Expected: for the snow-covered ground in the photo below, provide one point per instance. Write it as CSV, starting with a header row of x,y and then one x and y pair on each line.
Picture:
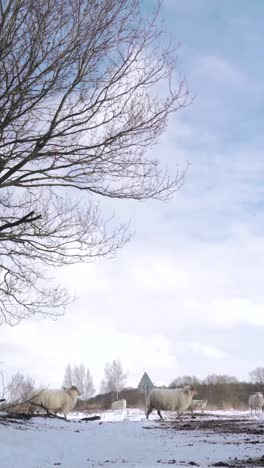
x,y
126,439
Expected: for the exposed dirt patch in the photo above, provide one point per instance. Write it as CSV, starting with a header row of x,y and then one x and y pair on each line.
x,y
223,426
235,463
249,462
233,431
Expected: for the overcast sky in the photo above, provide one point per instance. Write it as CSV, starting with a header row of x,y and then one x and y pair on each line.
x,y
186,295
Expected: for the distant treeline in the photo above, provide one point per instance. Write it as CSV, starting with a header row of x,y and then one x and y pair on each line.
x,y
228,395
219,395
134,398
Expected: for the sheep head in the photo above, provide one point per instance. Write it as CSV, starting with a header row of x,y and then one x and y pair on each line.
x,y
193,391
189,389
73,390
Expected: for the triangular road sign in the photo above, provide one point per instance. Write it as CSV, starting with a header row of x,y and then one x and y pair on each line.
x,y
145,383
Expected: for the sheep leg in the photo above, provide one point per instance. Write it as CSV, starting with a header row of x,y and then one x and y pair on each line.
x,y
159,413
150,409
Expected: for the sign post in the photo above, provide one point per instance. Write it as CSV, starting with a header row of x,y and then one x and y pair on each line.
x,y
145,385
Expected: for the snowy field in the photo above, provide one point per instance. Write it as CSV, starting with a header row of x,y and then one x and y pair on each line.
x,y
126,439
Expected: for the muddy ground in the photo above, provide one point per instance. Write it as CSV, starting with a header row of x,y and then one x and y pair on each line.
x,y
235,431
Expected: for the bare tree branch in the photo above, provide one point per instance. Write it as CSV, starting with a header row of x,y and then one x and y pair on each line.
x,y
86,89
29,218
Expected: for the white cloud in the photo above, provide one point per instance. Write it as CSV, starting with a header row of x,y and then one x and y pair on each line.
x,y
83,278
208,351
152,272
219,69
239,310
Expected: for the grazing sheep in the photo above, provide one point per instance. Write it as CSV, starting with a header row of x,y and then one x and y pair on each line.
x,y
256,402
119,405
56,401
176,399
198,405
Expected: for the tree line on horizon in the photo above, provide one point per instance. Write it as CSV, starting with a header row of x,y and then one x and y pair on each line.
x,y
19,387
218,389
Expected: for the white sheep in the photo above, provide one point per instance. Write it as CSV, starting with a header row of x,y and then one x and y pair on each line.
x,y
119,405
256,402
198,405
55,401
175,399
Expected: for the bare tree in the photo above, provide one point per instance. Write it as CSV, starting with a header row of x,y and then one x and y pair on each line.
x,y
115,378
79,107
257,375
19,388
68,380
185,380
2,386
80,377
83,380
214,379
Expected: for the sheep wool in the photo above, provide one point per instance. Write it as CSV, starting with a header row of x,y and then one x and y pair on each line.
x,y
198,405
177,399
56,401
119,405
